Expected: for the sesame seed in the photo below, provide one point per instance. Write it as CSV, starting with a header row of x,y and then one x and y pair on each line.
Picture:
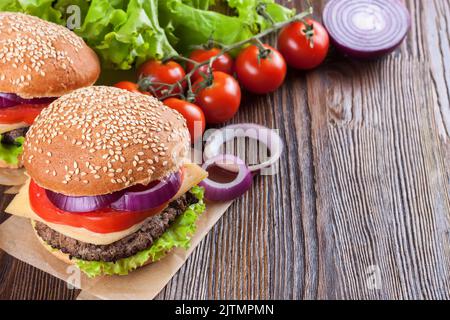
x,y
120,134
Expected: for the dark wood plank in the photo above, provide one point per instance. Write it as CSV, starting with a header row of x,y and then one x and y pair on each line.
x,y
381,169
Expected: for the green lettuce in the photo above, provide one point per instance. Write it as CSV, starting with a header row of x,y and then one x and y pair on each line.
x,y
190,26
10,152
40,8
124,32
178,235
128,32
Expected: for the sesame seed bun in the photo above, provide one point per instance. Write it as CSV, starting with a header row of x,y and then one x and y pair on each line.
x,y
98,140
42,59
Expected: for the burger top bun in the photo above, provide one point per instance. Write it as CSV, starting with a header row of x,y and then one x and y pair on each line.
x,y
42,59
98,140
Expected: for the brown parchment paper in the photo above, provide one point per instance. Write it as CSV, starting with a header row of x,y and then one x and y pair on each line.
x,y
17,239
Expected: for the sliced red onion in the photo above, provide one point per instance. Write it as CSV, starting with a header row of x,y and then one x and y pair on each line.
x,y
216,191
366,28
82,204
10,100
152,197
266,136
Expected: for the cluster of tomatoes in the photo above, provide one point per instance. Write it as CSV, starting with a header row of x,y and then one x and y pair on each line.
x,y
259,69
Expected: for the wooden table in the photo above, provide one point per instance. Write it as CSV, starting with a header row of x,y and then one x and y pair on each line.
x,y
360,207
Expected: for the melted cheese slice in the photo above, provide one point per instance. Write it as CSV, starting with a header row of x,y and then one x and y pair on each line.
x,y
20,206
10,127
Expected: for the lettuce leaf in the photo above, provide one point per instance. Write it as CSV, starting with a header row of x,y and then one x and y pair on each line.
x,y
39,8
10,152
192,26
128,32
200,4
125,32
177,235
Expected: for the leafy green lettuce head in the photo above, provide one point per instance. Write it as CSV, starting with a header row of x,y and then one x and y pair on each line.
x,y
178,235
129,32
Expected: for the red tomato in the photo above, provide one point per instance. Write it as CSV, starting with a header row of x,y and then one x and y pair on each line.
x,y
128,85
219,101
21,113
163,75
192,113
223,63
101,221
296,47
259,74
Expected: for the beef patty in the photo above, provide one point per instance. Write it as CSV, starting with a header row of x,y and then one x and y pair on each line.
x,y
142,239
10,136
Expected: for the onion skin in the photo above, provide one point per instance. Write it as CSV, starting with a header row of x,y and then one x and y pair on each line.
x,y
215,191
366,29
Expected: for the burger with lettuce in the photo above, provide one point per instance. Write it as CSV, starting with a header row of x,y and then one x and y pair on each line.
x,y
39,61
111,187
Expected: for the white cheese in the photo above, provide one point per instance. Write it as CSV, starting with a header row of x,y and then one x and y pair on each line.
x,y
20,206
10,127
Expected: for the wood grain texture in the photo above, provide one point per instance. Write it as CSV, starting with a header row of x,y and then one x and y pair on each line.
x,y
382,173
363,186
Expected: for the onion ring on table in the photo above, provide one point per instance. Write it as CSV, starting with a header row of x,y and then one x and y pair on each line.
x,y
267,136
216,191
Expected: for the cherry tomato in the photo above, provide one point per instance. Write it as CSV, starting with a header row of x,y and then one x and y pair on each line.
x,y
296,47
100,221
131,86
166,73
223,63
219,101
192,113
127,85
21,113
259,73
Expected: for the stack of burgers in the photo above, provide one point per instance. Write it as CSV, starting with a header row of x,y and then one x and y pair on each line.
x,y
39,61
111,187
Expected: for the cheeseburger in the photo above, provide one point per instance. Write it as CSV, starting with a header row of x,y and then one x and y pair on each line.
x,y
39,61
110,185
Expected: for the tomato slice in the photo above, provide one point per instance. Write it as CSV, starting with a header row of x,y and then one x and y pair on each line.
x,y
106,220
21,113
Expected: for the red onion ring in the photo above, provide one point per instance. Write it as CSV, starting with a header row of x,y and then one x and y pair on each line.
x,y
82,204
125,200
216,191
366,28
10,100
267,136
152,197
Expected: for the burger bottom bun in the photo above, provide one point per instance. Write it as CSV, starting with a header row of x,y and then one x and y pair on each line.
x,y
63,256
